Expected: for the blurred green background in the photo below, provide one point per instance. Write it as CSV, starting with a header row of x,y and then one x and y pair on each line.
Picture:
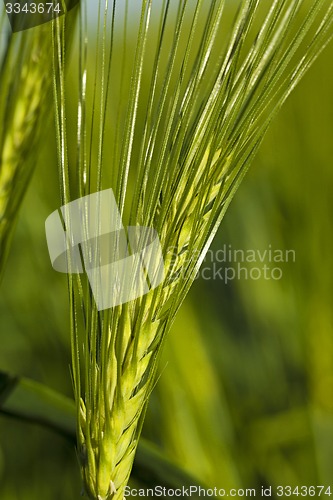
x,y
245,393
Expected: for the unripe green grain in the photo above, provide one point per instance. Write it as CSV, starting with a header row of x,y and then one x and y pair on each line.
x,y
205,119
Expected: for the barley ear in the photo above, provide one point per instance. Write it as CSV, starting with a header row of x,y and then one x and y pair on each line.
x,y
170,122
25,81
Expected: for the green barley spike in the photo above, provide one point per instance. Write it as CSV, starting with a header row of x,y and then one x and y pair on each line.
x,y
179,97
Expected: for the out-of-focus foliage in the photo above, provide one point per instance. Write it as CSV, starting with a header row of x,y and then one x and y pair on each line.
x,y
245,393
269,343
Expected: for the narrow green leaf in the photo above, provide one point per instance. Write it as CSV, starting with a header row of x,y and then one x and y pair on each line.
x,y
33,402
29,400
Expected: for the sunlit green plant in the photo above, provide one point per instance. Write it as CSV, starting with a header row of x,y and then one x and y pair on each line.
x,y
208,90
25,80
